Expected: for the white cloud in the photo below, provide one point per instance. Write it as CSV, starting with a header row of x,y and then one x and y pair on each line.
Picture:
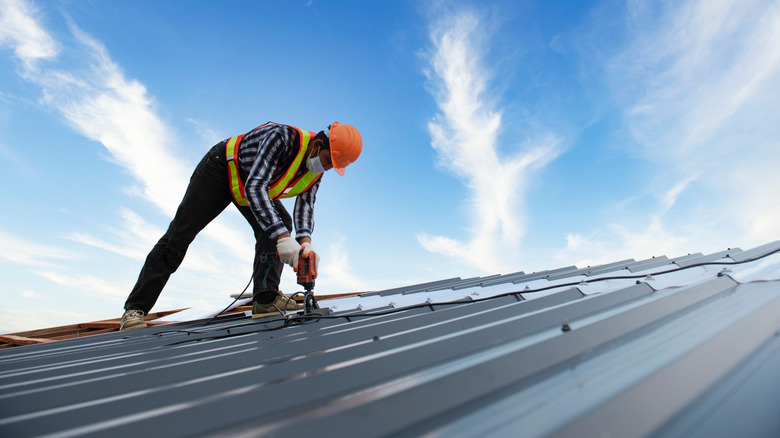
x,y
21,323
133,240
640,238
337,271
699,86
102,104
31,294
34,316
206,133
15,249
136,237
99,102
117,112
19,30
90,285
669,198
465,137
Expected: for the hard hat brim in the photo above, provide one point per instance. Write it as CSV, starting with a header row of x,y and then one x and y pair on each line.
x,y
345,145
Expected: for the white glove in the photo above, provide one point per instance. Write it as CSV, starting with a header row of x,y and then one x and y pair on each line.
x,y
288,250
307,248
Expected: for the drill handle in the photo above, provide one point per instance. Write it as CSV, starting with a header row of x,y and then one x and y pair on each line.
x,y
307,266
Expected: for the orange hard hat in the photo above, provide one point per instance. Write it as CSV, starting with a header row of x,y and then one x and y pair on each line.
x,y
345,145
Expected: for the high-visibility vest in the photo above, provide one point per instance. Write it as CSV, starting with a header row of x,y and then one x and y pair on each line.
x,y
285,187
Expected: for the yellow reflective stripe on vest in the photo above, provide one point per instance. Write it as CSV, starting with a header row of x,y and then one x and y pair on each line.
x,y
308,179
302,184
236,186
283,188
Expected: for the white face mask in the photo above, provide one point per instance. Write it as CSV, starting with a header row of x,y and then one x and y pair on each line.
x,y
315,164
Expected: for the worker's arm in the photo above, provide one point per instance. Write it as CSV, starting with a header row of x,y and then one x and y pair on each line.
x,y
304,221
274,143
303,214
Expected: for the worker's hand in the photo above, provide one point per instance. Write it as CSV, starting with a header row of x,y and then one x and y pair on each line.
x,y
308,249
288,250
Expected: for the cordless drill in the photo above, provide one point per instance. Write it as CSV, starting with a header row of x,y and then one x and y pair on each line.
x,y
306,270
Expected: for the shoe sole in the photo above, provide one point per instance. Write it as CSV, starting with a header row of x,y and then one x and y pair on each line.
x,y
273,312
132,326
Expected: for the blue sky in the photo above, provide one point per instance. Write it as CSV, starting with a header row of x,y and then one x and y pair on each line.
x,y
498,136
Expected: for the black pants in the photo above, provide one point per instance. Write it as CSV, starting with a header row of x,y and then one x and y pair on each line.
x,y
206,197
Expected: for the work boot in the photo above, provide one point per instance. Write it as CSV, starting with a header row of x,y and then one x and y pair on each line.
x,y
132,319
279,303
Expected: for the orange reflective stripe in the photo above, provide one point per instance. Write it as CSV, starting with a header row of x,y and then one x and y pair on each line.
x,y
236,186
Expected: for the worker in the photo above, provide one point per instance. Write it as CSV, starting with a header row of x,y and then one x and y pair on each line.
x,y
253,171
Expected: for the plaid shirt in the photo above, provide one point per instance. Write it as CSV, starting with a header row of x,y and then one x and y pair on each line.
x,y
264,156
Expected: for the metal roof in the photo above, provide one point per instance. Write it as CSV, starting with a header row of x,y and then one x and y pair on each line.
x,y
681,346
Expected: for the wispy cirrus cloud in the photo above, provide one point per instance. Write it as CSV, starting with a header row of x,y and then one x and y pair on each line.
x,y
18,250
98,101
105,106
21,31
132,240
708,78
336,269
465,136
699,76
698,86
91,285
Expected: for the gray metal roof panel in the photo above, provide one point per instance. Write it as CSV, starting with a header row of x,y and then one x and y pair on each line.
x,y
650,264
658,401
590,270
680,259
612,267
546,274
515,278
416,287
752,393
664,262
708,257
507,278
588,355
756,252
572,394
492,279
435,390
